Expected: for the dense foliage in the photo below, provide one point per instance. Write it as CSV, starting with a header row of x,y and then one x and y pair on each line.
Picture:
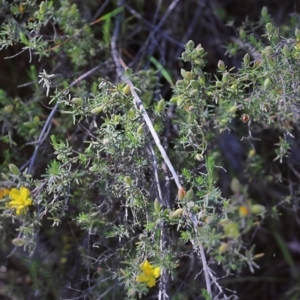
x,y
127,174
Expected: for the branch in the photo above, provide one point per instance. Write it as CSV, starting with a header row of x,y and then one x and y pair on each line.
x,y
47,125
139,104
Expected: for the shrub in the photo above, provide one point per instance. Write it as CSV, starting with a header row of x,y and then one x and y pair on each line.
x,y
134,176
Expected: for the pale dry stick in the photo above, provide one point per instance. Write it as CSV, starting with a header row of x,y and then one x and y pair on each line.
x,y
155,171
163,295
221,292
139,104
200,252
247,47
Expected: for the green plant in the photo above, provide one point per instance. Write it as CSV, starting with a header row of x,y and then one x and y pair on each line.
x,y
137,206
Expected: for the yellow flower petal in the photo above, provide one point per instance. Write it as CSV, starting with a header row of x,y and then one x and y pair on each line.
x,y
20,200
156,272
24,192
14,194
151,282
149,274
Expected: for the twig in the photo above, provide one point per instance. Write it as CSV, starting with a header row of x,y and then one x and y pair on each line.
x,y
155,171
139,104
162,33
192,24
162,295
156,28
45,130
201,254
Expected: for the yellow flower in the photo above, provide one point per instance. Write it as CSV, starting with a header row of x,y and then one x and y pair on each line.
x,y
244,211
20,200
149,274
3,193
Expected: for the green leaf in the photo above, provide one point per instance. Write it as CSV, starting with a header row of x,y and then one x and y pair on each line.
x,y
163,71
24,39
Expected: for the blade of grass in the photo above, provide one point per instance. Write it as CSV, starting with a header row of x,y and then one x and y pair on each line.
x,y
161,68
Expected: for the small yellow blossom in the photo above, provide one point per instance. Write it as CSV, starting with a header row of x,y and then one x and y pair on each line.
x,y
3,193
21,8
251,153
149,274
244,211
20,200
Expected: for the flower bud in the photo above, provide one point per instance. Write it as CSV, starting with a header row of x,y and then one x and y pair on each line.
x,y
231,230
181,194
199,157
175,214
251,152
77,101
219,84
43,7
246,58
18,242
185,56
242,34
234,87
225,77
8,108
235,186
269,27
199,49
156,205
199,61
174,100
221,65
131,113
140,129
245,118
264,12
267,83
233,51
190,194
180,83
126,89
190,45
128,180
183,73
14,169
194,92
223,248
233,109
97,110
179,102
189,75
259,255
161,105
258,209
